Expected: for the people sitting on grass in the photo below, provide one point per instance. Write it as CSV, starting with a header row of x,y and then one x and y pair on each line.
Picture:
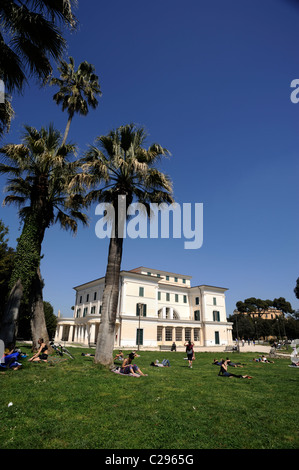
x,y
295,364
9,359
224,372
119,356
128,368
42,353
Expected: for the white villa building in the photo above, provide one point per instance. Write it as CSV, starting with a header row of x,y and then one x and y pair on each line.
x,y
171,311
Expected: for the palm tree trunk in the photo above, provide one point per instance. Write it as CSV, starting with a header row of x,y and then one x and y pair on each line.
x,y
105,340
66,132
37,321
9,321
26,263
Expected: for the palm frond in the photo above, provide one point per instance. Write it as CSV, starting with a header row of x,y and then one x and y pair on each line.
x,y
6,113
43,177
120,165
32,36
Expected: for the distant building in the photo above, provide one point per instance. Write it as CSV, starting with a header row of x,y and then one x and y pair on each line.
x,y
270,314
171,311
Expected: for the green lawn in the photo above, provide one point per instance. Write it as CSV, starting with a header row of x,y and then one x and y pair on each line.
x,y
75,404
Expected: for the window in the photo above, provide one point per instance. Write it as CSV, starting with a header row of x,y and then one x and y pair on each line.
x,y
217,338
175,279
87,298
141,291
196,334
95,296
197,315
167,278
185,299
176,297
179,334
93,309
85,311
78,312
167,297
214,301
168,333
139,336
216,315
159,295
196,300
187,334
184,281
141,308
80,301
159,333
149,274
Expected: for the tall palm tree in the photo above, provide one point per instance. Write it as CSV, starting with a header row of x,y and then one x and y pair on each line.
x,y
78,89
40,171
121,165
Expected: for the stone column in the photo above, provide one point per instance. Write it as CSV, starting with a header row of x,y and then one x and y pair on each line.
x,y
70,337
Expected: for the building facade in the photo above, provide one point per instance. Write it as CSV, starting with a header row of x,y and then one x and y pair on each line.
x,y
270,314
155,309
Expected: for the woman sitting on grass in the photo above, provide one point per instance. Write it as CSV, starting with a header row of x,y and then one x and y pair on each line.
x,y
223,371
128,368
42,353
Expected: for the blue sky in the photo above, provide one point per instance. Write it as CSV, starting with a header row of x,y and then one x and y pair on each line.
x,y
210,81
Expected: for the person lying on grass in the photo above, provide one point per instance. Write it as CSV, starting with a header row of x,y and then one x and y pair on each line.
x,y
229,363
223,371
233,364
164,363
263,359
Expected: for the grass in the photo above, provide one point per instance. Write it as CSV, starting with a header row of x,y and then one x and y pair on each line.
x,y
75,404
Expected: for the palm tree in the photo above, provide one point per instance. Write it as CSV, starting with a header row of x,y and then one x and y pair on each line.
x,y
40,170
30,37
78,89
123,167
